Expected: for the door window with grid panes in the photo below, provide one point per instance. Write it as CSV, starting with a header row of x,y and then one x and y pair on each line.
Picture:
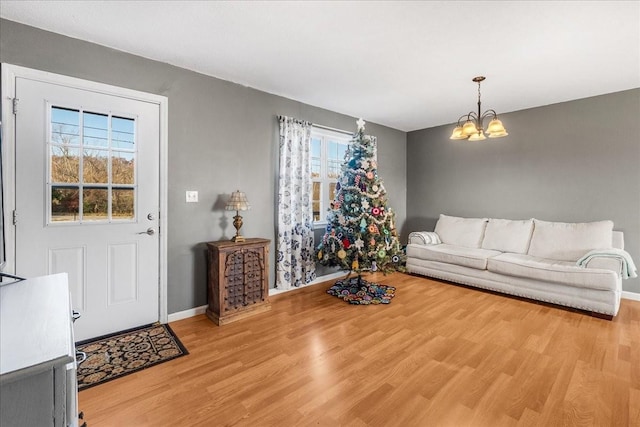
x,y
327,155
92,161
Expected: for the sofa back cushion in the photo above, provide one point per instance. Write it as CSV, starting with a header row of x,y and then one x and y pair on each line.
x,y
506,235
467,232
569,241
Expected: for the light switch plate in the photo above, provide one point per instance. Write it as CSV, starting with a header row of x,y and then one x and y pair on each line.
x,y
192,196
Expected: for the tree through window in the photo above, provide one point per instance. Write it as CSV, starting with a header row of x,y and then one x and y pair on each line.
x,y
92,164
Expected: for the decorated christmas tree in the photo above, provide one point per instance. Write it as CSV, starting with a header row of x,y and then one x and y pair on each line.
x,y
361,234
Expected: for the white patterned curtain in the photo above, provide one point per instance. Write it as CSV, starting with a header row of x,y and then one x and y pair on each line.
x,y
295,264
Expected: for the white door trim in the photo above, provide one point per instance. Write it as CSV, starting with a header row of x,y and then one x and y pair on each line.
x,y
9,74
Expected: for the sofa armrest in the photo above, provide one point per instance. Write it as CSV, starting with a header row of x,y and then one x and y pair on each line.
x,y
605,263
424,238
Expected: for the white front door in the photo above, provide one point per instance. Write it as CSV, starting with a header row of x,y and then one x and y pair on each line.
x,y
87,200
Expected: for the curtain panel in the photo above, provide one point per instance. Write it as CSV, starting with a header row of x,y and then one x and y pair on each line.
x,y
295,264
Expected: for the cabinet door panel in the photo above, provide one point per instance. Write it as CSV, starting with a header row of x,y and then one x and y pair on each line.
x,y
29,401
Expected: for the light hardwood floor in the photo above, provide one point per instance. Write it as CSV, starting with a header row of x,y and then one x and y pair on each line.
x,y
438,355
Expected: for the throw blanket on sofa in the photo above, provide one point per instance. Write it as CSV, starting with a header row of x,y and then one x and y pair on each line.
x,y
628,267
427,237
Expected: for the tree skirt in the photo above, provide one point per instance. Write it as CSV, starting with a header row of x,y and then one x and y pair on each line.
x,y
359,291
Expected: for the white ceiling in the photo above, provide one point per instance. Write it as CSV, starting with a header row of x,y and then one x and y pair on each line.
x,y
407,65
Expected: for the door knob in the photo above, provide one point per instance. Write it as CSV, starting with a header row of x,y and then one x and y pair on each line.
x,y
150,232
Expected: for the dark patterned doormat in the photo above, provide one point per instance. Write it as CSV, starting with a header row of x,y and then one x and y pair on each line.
x,y
116,355
359,291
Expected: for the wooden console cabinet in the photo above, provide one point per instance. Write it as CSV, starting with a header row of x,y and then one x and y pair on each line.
x,y
238,279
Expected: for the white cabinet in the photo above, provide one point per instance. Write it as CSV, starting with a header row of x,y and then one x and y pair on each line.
x,y
37,354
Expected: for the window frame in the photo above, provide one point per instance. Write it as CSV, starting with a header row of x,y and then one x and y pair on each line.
x,y
81,185
326,135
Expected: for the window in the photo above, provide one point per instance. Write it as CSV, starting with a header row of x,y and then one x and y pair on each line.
x,y
328,149
91,166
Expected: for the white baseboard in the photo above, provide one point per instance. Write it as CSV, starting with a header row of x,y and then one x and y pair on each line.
x,y
200,310
320,279
327,277
187,313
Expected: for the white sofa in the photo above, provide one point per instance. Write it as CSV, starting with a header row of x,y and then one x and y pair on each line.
x,y
530,258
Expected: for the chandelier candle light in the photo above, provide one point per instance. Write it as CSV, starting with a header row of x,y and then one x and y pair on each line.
x,y
472,128
237,202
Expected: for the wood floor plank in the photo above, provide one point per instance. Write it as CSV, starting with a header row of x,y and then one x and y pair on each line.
x,y
438,355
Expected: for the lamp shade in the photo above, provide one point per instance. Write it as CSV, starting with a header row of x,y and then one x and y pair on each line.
x,y
237,202
457,133
498,134
496,129
478,136
469,128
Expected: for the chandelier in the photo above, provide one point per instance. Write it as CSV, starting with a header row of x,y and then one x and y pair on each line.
x,y
472,128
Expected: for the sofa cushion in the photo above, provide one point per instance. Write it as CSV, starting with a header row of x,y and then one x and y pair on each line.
x,y
451,254
467,232
569,241
549,270
507,235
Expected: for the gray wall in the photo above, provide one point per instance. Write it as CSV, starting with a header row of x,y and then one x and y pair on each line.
x,y
222,137
577,161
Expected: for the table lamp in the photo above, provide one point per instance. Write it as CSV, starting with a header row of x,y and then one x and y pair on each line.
x,y
237,202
